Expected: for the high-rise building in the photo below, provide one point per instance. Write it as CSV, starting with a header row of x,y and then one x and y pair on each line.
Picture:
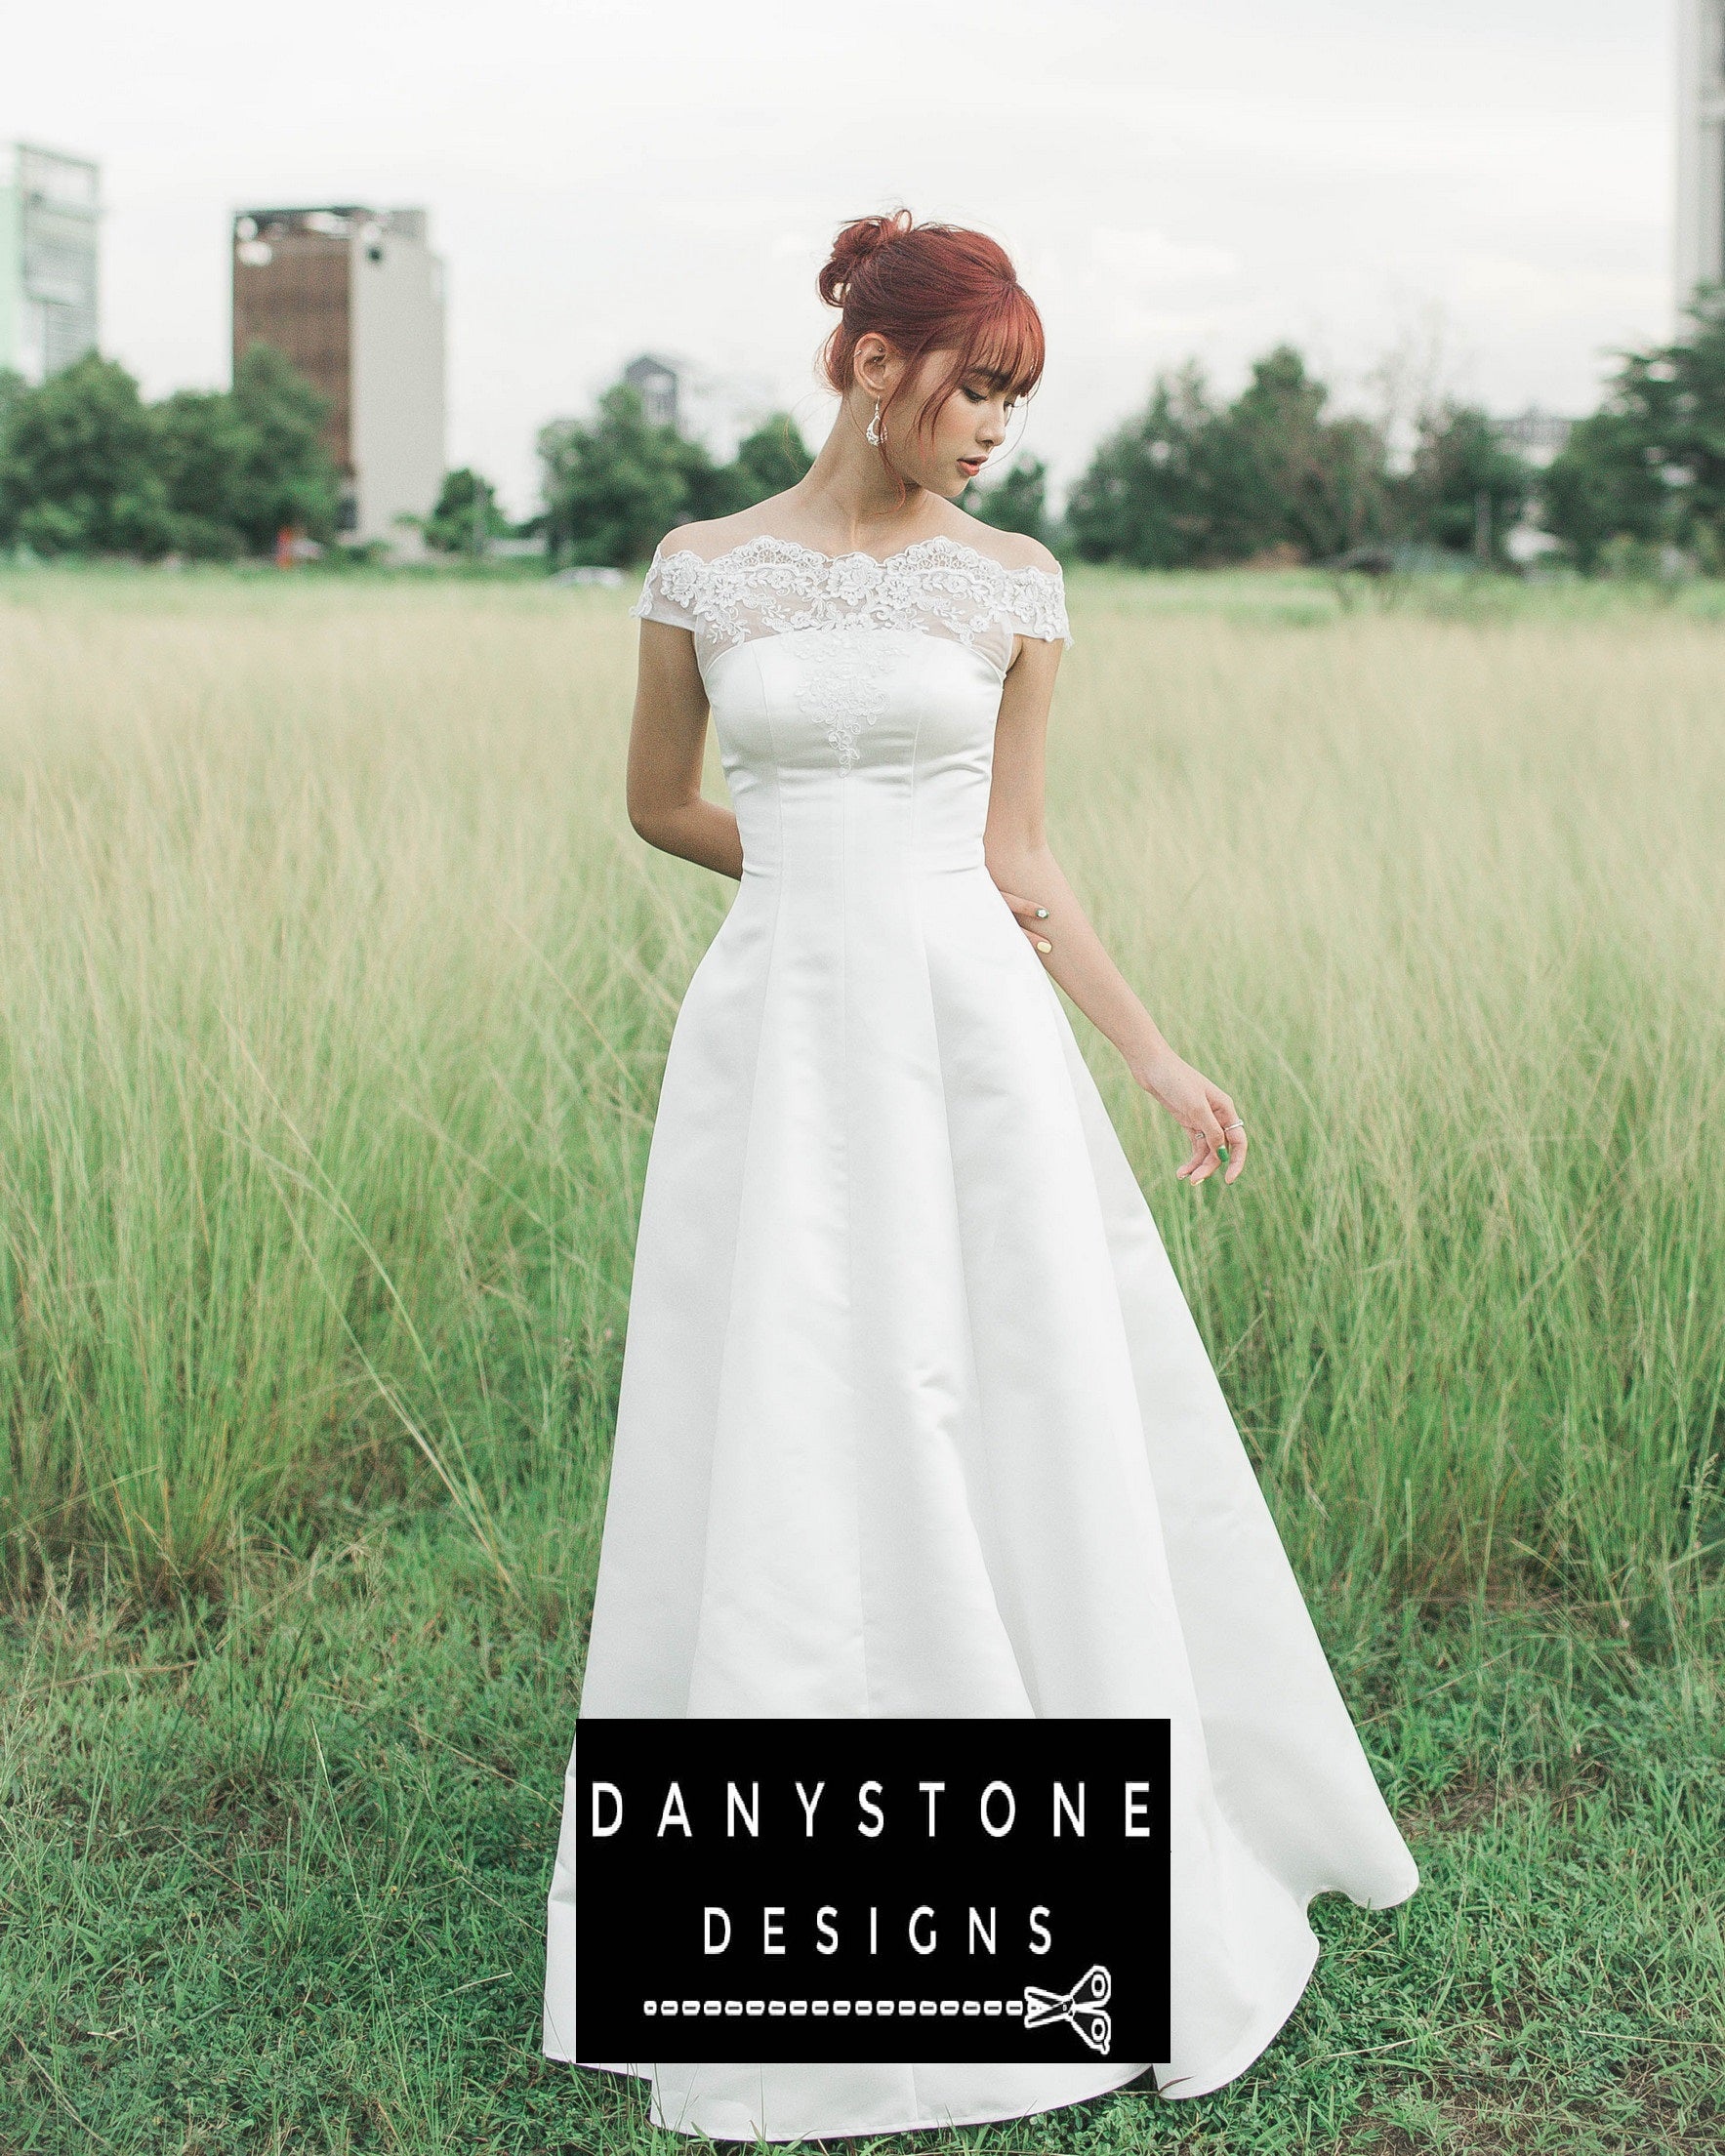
x,y
1701,145
354,299
50,211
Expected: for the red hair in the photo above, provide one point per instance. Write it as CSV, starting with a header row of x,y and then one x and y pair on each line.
x,y
930,288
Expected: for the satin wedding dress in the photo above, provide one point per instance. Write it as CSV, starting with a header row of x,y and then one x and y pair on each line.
x,y
914,1419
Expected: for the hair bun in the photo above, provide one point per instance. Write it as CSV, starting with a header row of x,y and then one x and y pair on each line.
x,y
860,242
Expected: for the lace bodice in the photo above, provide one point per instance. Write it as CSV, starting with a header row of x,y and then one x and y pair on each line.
x,y
768,587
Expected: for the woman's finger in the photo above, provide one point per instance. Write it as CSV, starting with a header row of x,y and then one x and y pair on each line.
x,y
1236,1155
1209,1133
1233,1134
1200,1152
1031,916
1023,905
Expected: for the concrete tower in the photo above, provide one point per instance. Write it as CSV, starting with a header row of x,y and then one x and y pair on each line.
x,y
354,297
50,212
1701,145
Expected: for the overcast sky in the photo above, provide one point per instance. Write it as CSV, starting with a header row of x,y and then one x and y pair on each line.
x,y
1484,184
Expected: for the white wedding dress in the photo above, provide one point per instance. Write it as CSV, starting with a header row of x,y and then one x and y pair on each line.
x,y
914,1419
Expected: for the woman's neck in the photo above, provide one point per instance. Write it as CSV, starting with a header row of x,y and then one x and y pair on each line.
x,y
854,503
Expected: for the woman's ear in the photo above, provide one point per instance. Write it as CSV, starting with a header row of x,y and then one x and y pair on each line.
x,y
873,361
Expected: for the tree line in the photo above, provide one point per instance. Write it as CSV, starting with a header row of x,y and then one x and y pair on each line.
x,y
1191,480
88,468
1276,472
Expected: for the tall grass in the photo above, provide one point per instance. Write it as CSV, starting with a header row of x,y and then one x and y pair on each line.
x,y
334,989
329,1012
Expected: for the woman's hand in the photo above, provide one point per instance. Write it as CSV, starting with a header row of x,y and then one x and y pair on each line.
x,y
1031,916
1203,1112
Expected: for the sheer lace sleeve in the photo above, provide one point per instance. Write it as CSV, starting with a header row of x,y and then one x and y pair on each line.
x,y
1039,604
668,594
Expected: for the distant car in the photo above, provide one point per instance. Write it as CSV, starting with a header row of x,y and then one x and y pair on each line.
x,y
1367,561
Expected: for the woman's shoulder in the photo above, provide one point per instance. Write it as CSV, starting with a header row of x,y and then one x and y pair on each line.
x,y
1011,550
1034,594
708,537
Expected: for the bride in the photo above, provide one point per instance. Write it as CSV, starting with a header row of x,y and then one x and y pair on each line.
x,y
913,1419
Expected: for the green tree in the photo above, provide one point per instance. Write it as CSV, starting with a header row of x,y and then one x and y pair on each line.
x,y
77,470
1284,473
615,485
238,465
467,517
1461,461
1600,488
286,476
709,489
1144,498
199,449
1648,468
1017,503
1186,483
87,468
771,459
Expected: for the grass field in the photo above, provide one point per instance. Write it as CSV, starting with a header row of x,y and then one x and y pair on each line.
x,y
334,991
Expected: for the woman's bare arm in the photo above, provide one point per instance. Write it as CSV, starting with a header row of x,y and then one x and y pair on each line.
x,y
666,744
1023,867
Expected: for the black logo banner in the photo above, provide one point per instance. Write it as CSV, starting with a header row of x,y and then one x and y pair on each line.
x,y
970,1892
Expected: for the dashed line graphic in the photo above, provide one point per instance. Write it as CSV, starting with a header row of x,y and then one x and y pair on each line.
x,y
688,2008
1081,2008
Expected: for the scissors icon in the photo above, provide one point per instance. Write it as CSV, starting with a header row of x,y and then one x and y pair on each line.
x,y
1081,2005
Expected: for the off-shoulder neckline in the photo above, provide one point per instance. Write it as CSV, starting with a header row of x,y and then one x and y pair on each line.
x,y
940,542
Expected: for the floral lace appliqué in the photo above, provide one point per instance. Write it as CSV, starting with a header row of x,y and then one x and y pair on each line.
x,y
770,586
844,688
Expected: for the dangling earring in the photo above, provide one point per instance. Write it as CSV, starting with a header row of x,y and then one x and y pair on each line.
x,y
872,432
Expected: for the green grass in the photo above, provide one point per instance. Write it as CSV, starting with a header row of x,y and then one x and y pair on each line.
x,y
333,990
276,1880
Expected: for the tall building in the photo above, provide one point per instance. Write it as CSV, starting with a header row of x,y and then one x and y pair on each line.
x,y
50,212
657,380
354,297
1701,145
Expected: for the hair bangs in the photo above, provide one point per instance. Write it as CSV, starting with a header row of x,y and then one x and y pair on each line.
x,y
1007,348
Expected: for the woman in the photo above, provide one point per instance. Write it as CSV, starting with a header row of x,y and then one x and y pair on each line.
x,y
914,1419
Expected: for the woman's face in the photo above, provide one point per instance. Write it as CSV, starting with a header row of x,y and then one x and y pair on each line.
x,y
951,445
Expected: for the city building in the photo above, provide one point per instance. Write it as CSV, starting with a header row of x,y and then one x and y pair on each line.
x,y
1537,435
49,214
354,299
658,381
1701,145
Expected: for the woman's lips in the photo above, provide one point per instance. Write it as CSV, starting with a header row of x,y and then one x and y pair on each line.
x,y
972,464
